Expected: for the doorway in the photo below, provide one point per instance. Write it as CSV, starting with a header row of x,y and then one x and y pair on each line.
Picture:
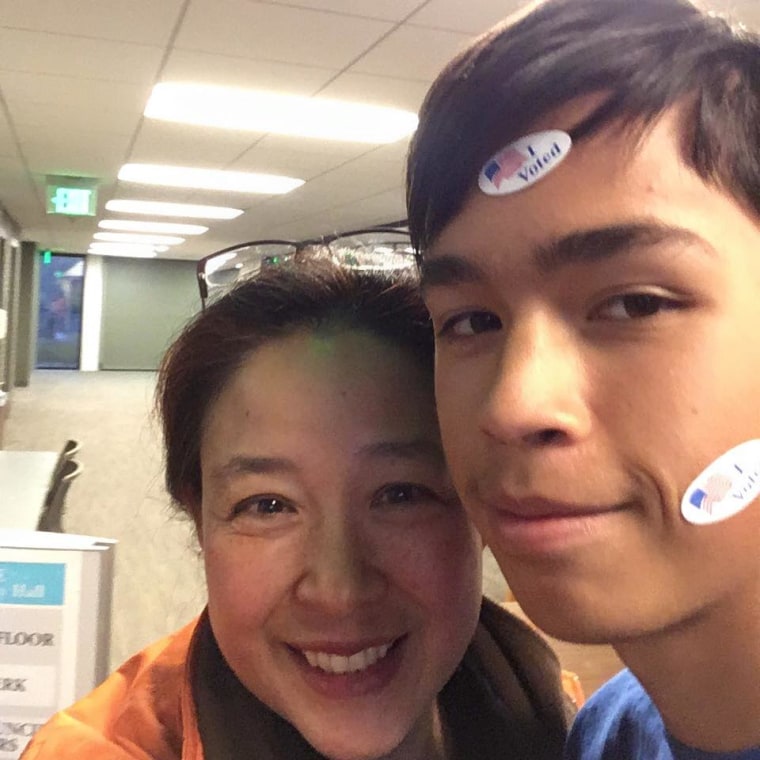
x,y
59,330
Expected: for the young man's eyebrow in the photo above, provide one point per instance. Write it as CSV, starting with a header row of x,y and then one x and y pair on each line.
x,y
602,243
584,246
449,270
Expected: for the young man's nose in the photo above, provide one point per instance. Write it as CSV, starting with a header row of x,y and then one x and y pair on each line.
x,y
340,572
537,391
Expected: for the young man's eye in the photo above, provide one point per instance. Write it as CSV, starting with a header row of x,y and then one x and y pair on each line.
x,y
262,506
469,324
636,306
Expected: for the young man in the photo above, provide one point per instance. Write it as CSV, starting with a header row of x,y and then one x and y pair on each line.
x,y
584,188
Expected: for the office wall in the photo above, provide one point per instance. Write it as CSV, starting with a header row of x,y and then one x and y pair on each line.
x,y
12,289
145,303
9,234
28,312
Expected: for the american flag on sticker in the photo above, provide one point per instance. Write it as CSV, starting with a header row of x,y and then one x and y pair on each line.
x,y
503,165
714,490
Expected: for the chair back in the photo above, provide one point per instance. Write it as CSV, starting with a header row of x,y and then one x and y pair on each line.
x,y
52,515
70,448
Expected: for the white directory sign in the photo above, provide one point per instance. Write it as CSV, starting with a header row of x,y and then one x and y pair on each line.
x,y
55,613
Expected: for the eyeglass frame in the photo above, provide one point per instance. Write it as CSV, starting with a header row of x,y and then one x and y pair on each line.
x,y
400,227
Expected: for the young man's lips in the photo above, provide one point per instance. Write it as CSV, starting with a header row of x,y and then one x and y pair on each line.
x,y
537,508
542,527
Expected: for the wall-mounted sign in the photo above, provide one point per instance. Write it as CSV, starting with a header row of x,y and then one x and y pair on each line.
x,y
72,196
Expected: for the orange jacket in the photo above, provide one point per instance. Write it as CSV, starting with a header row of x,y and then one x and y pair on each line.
x,y
143,711
147,709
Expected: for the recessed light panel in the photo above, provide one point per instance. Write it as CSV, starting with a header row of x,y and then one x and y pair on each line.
x,y
259,111
160,208
161,228
208,179
126,237
122,249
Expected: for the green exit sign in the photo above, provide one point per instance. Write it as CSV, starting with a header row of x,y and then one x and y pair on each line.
x,y
73,201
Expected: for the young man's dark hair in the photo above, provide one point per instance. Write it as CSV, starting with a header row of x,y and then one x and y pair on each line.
x,y
643,55
584,189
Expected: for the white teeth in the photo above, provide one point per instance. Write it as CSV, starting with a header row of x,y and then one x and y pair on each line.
x,y
336,663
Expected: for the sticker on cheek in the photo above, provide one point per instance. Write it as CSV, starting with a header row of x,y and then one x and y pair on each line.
x,y
725,487
524,162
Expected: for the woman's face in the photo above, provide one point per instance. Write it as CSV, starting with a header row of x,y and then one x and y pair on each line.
x,y
343,576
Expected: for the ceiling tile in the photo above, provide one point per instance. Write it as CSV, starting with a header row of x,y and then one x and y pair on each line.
x,y
78,57
145,21
412,53
107,119
188,145
277,33
99,156
390,10
7,140
379,90
234,71
473,17
298,157
387,206
88,95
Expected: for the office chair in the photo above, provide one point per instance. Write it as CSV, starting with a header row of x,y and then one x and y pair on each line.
x,y
52,514
70,448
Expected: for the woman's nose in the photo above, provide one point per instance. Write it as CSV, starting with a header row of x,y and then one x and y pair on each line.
x,y
340,572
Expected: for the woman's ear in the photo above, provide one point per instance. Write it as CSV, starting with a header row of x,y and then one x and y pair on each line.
x,y
192,506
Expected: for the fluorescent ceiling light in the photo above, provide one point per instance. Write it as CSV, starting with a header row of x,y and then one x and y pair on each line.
x,y
159,208
126,237
128,225
208,179
234,108
123,249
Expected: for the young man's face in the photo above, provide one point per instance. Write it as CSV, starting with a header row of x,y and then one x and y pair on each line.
x,y
597,348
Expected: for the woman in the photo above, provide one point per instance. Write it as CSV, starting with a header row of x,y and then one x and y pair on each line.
x,y
344,614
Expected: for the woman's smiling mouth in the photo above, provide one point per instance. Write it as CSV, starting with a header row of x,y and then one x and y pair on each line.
x,y
346,674
339,664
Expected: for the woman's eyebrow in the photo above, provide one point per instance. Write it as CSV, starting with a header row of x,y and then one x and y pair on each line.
x,y
243,465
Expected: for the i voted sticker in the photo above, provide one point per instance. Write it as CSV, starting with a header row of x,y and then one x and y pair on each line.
x,y
725,487
524,162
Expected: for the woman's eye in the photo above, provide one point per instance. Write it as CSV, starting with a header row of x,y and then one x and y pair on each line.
x,y
471,323
400,494
636,306
263,506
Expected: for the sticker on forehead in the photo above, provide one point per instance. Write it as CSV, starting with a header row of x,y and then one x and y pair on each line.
x,y
524,162
725,487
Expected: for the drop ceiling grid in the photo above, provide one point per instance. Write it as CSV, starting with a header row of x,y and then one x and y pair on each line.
x,y
76,102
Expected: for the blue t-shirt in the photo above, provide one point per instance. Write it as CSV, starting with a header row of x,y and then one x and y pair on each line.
x,y
620,722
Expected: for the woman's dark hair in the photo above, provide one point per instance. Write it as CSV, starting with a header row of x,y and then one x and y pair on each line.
x,y
275,303
647,55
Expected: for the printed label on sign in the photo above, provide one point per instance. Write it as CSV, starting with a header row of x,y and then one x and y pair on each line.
x,y
32,583
27,686
524,162
725,487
